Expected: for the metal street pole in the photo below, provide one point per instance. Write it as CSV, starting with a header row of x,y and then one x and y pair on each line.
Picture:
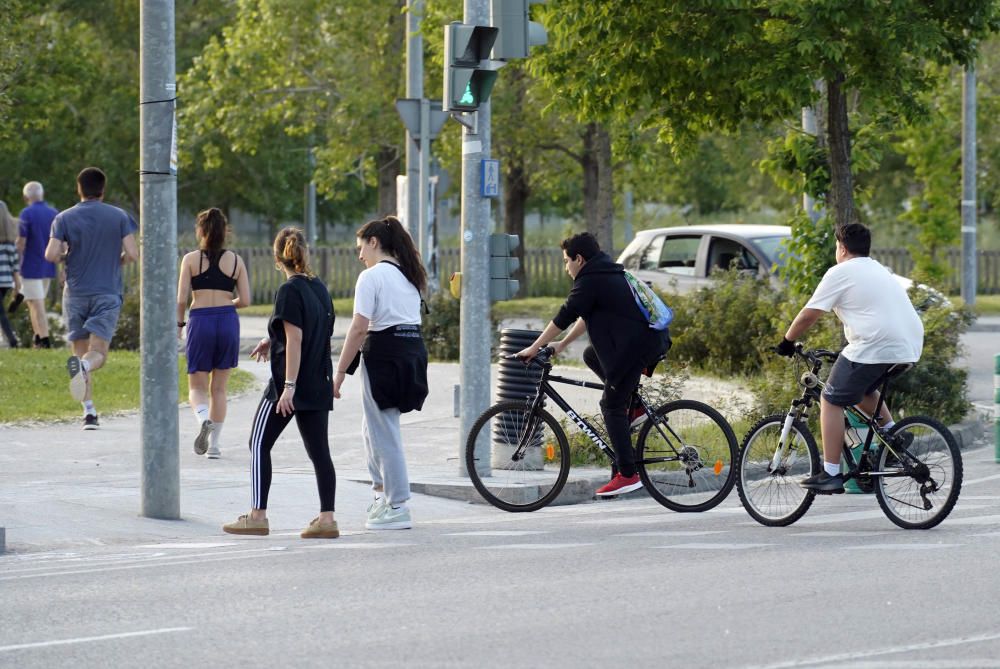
x,y
425,173
474,348
158,223
310,203
414,89
969,185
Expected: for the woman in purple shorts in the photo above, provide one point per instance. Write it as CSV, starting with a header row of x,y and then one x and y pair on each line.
x,y
208,278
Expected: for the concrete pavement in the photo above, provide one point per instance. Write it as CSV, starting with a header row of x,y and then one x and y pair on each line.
x,y
62,486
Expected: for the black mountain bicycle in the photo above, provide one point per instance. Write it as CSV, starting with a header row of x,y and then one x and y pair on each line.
x,y
915,468
518,457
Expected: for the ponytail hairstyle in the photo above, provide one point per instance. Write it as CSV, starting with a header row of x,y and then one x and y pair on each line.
x,y
396,241
8,225
213,226
290,250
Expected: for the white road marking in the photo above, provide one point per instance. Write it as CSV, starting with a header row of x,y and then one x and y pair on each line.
x,y
532,547
861,515
841,533
334,544
893,547
671,533
190,545
847,657
90,639
162,562
992,477
716,547
495,533
974,520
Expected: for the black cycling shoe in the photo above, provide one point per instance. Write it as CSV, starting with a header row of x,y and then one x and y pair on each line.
x,y
824,484
901,440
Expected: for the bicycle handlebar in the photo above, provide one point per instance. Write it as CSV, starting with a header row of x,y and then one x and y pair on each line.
x,y
542,358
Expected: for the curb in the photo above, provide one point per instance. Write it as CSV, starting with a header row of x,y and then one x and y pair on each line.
x,y
3,540
984,327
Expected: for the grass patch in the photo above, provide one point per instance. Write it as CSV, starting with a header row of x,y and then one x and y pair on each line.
x,y
987,305
342,306
528,307
34,384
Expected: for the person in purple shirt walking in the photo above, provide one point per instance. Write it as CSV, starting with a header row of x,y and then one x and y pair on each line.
x,y
36,271
94,240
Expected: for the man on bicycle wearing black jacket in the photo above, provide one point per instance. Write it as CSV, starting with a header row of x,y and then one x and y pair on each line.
x,y
622,343
881,327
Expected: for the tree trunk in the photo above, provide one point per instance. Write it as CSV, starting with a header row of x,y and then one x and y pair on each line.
x,y
387,166
588,161
605,192
598,185
840,199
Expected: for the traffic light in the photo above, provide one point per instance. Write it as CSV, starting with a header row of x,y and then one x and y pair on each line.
x,y
517,32
502,265
466,83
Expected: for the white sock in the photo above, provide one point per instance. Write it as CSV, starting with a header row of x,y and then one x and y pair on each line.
x,y
88,408
832,468
85,364
396,507
201,413
888,424
216,431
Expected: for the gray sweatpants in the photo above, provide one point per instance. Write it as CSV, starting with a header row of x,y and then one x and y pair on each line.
x,y
383,445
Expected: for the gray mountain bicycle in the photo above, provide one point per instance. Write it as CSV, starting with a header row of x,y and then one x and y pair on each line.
x,y
518,456
915,468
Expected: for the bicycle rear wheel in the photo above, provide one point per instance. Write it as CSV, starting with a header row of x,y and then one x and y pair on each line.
x,y
686,456
924,478
522,462
772,494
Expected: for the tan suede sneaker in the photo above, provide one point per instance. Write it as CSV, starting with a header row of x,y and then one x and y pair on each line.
x,y
247,525
318,530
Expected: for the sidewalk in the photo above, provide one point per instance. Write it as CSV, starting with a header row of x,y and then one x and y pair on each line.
x,y
61,486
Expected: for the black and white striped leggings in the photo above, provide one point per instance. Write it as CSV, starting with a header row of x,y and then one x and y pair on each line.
x,y
267,427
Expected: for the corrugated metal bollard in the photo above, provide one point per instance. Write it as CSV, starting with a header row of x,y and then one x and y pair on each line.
x,y
515,381
996,406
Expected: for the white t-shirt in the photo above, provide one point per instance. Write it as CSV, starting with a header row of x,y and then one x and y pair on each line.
x,y
386,298
880,323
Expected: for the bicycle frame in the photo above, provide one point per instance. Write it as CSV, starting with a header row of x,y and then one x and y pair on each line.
x,y
812,388
545,389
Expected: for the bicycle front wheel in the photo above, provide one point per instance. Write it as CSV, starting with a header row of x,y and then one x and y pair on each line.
x,y
769,471
920,474
685,456
517,459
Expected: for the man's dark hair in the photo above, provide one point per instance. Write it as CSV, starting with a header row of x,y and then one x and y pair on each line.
x,y
856,238
583,244
91,181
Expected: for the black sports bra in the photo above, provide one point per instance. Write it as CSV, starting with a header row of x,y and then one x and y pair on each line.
x,y
213,278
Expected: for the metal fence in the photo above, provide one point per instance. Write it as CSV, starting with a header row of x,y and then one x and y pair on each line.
x,y
544,272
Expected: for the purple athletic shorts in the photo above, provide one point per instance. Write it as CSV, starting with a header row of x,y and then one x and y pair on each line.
x,y
213,339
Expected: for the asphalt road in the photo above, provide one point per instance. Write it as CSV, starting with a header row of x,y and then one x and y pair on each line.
x,y
612,583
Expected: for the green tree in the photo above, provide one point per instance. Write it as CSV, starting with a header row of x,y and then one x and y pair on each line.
x,y
325,75
695,67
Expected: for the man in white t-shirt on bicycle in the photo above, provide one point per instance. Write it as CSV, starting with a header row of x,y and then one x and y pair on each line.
x,y
882,329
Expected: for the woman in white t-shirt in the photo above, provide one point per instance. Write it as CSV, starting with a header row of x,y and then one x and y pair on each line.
x,y
385,340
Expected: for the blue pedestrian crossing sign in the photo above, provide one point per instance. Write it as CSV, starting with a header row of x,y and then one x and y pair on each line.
x,y
489,185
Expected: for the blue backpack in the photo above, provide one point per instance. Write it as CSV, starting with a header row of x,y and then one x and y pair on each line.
x,y
656,312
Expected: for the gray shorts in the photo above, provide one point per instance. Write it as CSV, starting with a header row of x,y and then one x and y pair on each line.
x,y
91,315
850,381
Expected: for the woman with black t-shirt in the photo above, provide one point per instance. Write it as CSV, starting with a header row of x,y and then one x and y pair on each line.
x,y
301,385
385,331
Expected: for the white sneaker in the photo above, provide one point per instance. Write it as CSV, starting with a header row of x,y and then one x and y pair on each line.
x,y
213,453
389,518
375,508
201,441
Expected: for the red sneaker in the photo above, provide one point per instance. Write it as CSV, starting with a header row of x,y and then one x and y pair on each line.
x,y
636,417
619,485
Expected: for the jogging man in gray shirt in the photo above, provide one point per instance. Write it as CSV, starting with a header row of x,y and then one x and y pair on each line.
x,y
94,240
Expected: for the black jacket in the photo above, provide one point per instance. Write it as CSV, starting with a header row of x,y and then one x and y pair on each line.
x,y
620,334
396,363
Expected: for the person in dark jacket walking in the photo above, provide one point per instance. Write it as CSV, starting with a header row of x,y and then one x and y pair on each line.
x,y
301,386
393,361
622,343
